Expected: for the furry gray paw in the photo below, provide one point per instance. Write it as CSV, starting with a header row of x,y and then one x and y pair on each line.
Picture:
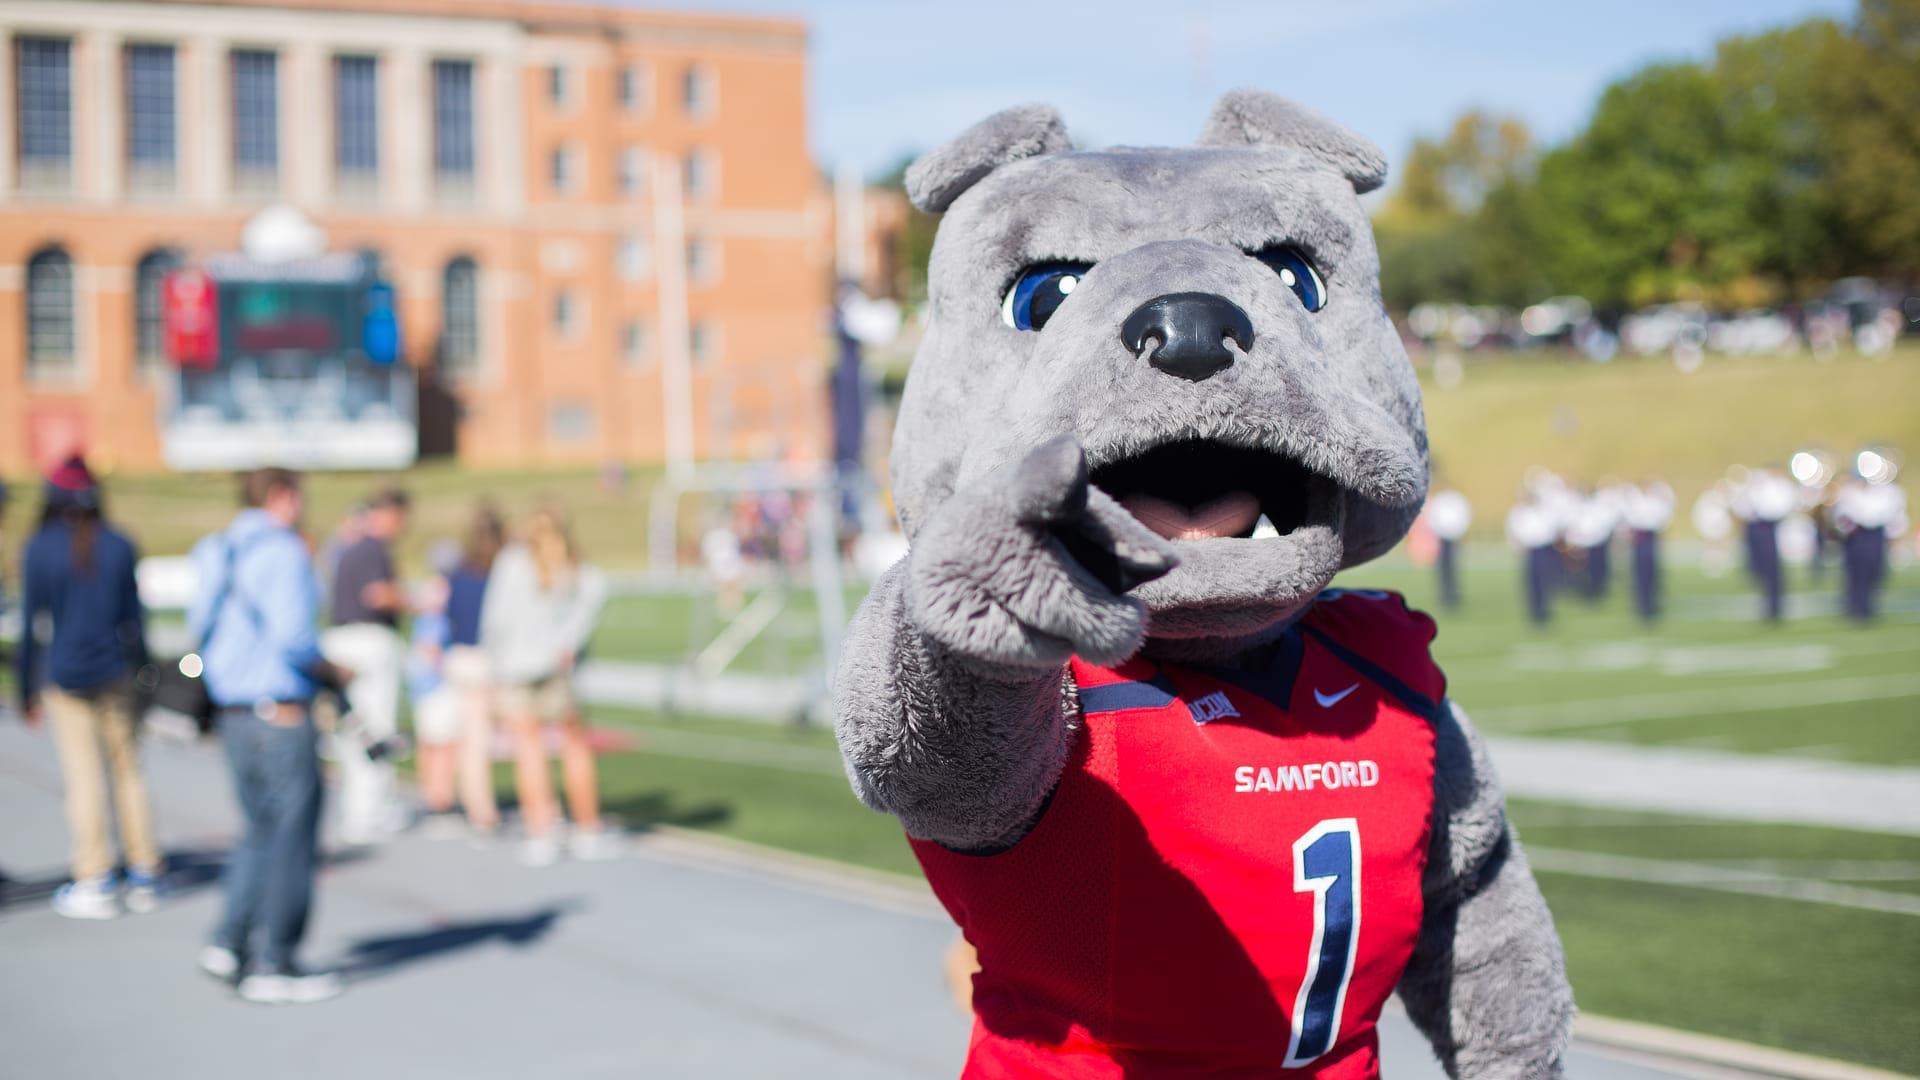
x,y
1032,565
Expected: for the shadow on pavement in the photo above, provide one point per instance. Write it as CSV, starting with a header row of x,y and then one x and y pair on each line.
x,y
189,870
371,957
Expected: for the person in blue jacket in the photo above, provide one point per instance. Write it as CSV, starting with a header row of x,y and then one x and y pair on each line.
x,y
79,572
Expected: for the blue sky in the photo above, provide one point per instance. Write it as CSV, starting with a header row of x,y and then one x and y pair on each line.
x,y
893,76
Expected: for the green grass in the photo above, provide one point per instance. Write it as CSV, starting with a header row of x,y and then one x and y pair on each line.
x,y
166,512
783,787
1812,977
1805,977
1635,418
1691,673
1701,677
668,628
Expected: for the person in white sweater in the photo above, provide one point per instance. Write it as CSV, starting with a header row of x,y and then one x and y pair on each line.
x,y
542,603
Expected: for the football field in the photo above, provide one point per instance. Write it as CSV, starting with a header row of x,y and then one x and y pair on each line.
x,y
1790,935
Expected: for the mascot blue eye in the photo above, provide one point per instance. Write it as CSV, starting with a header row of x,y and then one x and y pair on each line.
x,y
1038,291
1296,273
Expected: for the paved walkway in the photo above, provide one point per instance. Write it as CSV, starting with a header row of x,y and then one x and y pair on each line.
x,y
1714,783
688,959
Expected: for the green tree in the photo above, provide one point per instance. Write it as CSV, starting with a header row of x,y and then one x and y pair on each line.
x,y
1700,182
1871,116
1425,227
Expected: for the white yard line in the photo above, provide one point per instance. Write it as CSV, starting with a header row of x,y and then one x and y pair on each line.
x,y
1675,704
1683,780
1718,879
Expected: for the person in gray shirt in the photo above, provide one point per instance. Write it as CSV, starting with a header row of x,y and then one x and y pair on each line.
x,y
365,607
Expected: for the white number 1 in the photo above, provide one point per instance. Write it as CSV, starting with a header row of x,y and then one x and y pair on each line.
x,y
1326,861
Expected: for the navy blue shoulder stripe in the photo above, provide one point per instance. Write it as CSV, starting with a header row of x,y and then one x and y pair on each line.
x,y
1274,683
1153,694
1378,675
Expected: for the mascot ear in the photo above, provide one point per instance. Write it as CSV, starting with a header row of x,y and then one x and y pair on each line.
x,y
1257,118
1024,131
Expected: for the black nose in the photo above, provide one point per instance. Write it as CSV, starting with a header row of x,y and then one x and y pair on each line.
x,y
1187,333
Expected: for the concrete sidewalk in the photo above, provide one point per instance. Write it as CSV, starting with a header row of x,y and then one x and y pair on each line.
x,y
688,959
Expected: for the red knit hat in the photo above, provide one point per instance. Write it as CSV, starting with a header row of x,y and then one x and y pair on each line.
x,y
71,483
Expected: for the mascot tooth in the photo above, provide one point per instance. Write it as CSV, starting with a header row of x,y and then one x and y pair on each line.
x,y
1198,814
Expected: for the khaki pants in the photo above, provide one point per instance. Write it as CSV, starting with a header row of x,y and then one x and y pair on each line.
x,y
87,727
469,676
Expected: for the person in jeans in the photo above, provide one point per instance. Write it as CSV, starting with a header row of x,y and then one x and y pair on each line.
x,y
365,607
541,605
255,614
467,672
79,570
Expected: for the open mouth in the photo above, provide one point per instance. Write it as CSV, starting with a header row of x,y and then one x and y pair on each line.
x,y
1197,489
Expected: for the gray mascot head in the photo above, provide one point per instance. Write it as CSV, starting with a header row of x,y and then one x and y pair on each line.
x,y
1205,321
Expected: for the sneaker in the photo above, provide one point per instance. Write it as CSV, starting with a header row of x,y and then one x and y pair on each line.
x,y
290,986
483,837
90,899
220,962
442,825
143,890
597,845
539,851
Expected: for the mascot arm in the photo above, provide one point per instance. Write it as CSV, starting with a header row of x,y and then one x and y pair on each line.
x,y
1487,983
950,693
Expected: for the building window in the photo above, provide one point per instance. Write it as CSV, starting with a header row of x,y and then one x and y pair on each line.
x,y
703,260
566,314
633,258
701,174
635,343
149,323
356,121
703,342
570,422
453,125
460,318
49,296
699,91
43,73
561,169
150,118
635,87
632,174
557,84
256,120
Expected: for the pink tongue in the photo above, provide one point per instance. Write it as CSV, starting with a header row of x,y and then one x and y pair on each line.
x,y
1229,515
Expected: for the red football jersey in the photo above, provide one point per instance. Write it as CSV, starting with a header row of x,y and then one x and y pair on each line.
x,y
1226,881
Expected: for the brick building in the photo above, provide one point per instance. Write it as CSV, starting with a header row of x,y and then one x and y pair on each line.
x,y
605,233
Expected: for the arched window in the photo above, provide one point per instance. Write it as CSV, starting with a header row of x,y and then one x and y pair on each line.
x,y
460,317
149,329
49,295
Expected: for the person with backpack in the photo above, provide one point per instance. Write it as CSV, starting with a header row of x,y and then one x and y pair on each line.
x,y
80,571
255,616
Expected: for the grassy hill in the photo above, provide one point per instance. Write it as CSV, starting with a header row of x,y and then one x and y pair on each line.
x,y
1640,418
1630,419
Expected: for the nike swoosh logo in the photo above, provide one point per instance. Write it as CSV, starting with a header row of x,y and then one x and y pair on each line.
x,y
1328,701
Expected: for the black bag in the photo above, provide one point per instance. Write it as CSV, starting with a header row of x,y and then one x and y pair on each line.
x,y
176,686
